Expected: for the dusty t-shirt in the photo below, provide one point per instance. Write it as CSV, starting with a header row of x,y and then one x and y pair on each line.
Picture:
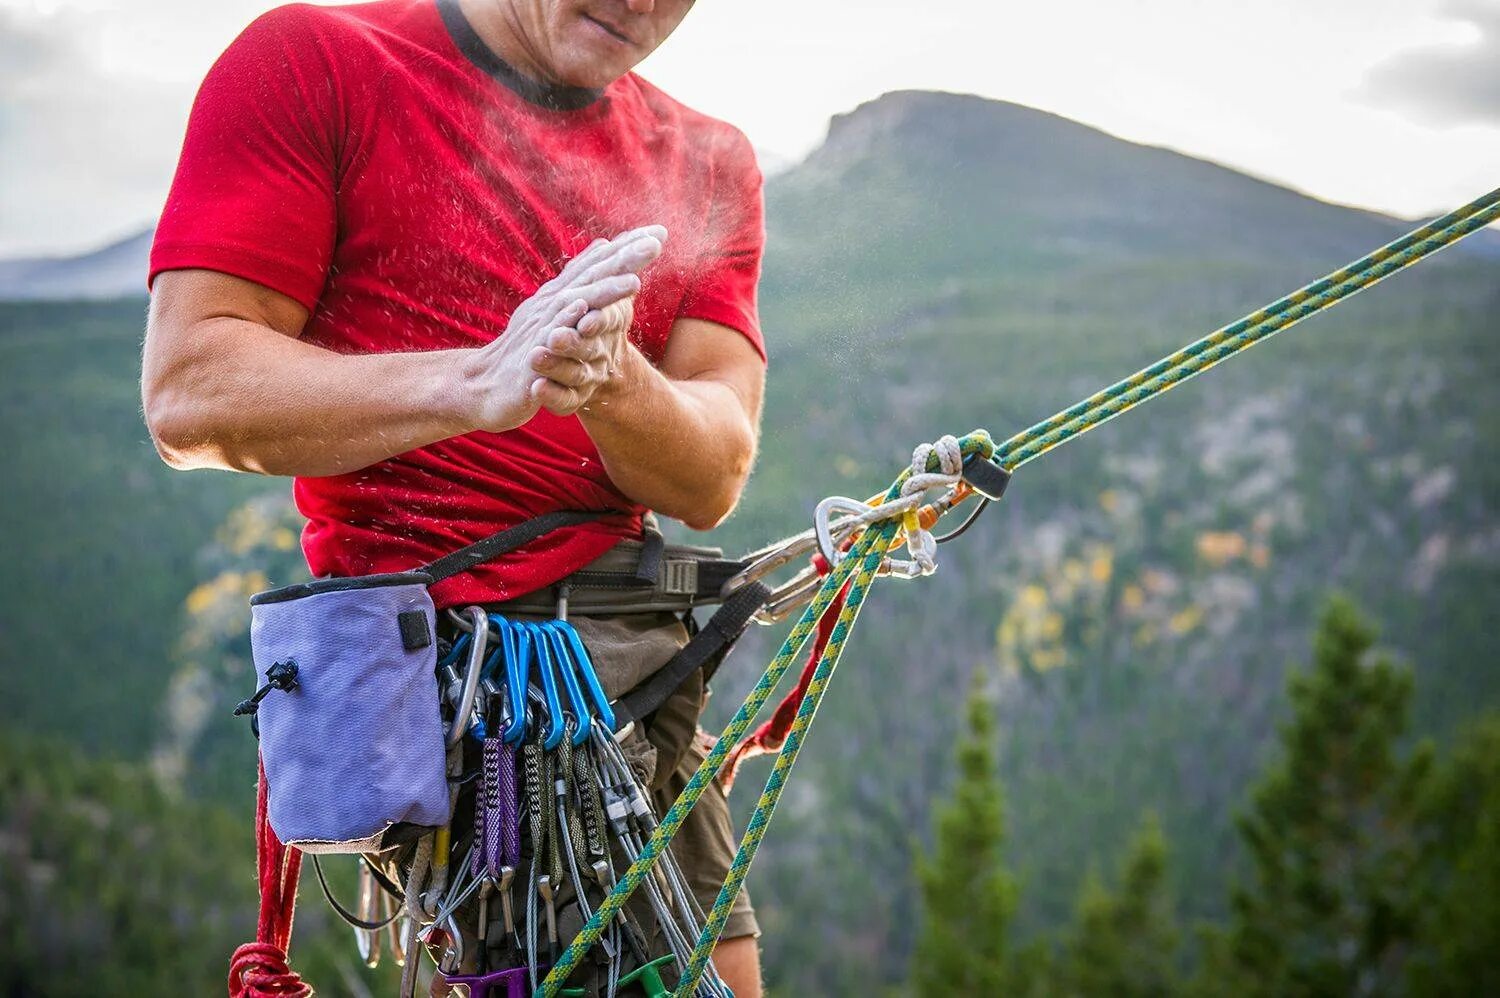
x,y
380,165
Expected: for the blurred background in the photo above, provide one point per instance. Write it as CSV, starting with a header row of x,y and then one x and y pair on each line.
x,y
1127,741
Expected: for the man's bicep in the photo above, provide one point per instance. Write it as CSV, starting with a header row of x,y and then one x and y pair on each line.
x,y
181,299
699,350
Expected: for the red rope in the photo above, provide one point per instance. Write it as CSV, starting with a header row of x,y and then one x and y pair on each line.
x,y
259,969
771,735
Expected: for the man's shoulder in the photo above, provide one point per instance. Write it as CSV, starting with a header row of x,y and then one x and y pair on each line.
x,y
699,130
338,32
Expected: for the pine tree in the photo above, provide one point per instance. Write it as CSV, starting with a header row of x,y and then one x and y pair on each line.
x,y
1123,944
1331,908
968,897
1459,949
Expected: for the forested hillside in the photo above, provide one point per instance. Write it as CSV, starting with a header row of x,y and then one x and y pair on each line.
x,y
941,263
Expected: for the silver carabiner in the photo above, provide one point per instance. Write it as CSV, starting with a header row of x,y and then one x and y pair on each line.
x,y
479,641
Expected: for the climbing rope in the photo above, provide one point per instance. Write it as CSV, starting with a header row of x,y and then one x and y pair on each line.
x,y
1259,325
879,528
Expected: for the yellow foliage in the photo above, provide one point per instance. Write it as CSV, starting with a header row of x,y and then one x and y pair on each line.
x,y
1157,582
1133,597
1102,566
1109,500
234,586
1186,619
1072,571
1034,596
1219,547
1043,659
283,539
1260,555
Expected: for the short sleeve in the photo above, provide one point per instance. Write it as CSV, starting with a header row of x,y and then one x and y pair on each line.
x,y
253,195
728,268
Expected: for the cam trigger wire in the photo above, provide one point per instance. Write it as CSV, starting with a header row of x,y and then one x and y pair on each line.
x,y
969,521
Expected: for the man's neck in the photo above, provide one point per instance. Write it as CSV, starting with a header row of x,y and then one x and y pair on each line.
x,y
498,24
490,33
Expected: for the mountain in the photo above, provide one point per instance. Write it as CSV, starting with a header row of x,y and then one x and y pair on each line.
x,y
117,270
941,262
997,163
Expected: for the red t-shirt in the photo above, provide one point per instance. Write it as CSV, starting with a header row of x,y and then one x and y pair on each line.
x,y
380,165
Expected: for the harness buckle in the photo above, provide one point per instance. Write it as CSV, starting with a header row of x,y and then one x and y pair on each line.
x,y
679,577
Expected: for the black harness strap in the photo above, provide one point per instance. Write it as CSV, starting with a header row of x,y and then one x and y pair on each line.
x,y
349,916
722,630
652,550
509,540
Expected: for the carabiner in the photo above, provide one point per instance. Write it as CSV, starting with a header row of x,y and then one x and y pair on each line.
x,y
563,660
464,706
514,644
542,656
585,667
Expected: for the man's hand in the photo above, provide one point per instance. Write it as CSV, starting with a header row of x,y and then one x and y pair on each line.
x,y
575,362
561,342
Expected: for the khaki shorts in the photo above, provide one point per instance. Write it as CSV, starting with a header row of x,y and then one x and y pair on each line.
x,y
626,650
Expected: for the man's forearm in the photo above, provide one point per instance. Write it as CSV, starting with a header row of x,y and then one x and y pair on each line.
x,y
681,447
247,398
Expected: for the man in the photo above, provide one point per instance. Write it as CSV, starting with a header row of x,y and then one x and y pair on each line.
x,y
383,269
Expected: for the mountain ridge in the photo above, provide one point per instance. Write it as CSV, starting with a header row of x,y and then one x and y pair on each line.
x,y
1040,155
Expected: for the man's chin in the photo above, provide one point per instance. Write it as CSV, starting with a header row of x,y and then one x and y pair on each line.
x,y
594,74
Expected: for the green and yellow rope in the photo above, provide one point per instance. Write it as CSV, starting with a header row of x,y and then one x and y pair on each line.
x,y
1223,343
864,559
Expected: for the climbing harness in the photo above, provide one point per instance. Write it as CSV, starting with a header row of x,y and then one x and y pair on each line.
x,y
555,799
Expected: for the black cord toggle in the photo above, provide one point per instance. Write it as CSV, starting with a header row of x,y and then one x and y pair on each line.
x,y
280,676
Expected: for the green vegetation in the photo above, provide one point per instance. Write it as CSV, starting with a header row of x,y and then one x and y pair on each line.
x,y
1333,901
1124,942
108,885
941,263
967,895
1374,869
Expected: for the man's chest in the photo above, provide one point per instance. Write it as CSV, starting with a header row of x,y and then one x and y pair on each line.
x,y
448,221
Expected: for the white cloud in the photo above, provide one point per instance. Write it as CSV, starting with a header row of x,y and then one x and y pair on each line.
x,y
1452,83
94,93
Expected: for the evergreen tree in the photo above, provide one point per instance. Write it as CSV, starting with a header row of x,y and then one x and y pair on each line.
x,y
1124,944
1331,908
968,897
1459,951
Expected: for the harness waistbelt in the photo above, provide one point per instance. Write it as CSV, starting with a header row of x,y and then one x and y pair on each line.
x,y
636,577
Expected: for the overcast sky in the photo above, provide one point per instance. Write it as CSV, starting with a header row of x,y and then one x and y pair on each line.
x,y
1388,104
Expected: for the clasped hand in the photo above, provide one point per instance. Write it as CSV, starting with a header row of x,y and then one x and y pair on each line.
x,y
564,342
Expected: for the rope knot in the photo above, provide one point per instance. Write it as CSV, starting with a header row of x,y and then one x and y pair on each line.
x,y
260,970
950,458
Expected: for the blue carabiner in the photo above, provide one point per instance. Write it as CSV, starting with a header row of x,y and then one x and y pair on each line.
x,y
514,644
585,667
542,656
568,668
